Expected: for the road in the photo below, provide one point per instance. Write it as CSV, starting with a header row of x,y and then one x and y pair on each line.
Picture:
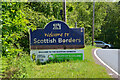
x,y
111,57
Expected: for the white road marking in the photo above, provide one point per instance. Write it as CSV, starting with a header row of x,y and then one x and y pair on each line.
x,y
105,63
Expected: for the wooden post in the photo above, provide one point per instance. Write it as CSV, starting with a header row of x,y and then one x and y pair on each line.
x,y
64,10
93,23
75,24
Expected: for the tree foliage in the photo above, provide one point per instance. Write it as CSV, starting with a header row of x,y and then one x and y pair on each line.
x,y
18,18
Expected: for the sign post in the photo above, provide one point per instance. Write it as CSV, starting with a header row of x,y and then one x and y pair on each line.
x,y
57,35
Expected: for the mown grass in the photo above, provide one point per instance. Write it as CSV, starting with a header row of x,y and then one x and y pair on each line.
x,y
70,69
25,68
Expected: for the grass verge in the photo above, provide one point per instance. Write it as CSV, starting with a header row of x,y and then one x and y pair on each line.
x,y
87,68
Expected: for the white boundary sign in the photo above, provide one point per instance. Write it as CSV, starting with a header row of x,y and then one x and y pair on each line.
x,y
47,55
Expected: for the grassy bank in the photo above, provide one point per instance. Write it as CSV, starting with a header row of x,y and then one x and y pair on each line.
x,y
87,68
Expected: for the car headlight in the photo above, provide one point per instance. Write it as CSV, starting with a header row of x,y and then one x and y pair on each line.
x,y
109,45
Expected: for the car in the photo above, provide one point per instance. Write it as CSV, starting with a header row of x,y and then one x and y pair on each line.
x,y
102,44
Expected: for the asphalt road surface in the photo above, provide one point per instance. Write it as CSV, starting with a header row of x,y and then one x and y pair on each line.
x,y
111,57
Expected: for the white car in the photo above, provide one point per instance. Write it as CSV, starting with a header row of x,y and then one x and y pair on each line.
x,y
102,44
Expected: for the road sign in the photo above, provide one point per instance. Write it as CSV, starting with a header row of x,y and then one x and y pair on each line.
x,y
57,35
50,55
